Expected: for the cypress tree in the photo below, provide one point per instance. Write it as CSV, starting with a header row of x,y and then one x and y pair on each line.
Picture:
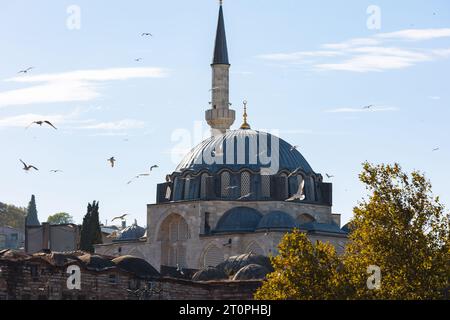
x,y
90,229
32,218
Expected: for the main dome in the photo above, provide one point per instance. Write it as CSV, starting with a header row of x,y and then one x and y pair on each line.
x,y
226,151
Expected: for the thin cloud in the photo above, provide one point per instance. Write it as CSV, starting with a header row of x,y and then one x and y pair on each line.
x,y
359,110
416,34
369,54
73,86
124,124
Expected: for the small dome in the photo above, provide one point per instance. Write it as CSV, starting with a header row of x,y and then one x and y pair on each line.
x,y
96,262
277,220
209,273
233,264
136,265
133,232
251,272
239,219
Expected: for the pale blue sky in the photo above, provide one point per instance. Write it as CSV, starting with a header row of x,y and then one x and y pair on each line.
x,y
306,68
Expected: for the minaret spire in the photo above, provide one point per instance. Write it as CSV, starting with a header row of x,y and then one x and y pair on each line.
x,y
220,117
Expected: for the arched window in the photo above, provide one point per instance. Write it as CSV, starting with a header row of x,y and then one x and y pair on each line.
x,y
225,184
265,186
212,256
173,233
203,185
255,249
285,183
187,186
245,183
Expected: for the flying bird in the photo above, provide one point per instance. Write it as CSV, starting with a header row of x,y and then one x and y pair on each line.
x,y
368,107
122,217
245,196
300,194
294,172
56,171
180,269
436,149
112,161
25,70
138,59
41,122
154,167
294,148
231,187
27,167
138,176
146,34
329,176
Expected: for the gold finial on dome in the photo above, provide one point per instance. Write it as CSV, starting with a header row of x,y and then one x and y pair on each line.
x,y
245,125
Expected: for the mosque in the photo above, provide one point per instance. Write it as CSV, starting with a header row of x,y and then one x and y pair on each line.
x,y
239,191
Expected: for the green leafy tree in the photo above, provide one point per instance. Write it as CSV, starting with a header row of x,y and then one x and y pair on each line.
x,y
90,229
32,214
402,229
303,271
12,216
60,218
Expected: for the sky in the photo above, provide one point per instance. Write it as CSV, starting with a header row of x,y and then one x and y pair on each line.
x,y
306,68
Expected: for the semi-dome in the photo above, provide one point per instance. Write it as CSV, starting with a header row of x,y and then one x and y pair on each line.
x,y
277,220
224,151
239,219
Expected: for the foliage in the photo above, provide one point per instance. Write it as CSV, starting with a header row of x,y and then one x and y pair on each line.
x,y
12,216
90,229
303,271
401,228
60,218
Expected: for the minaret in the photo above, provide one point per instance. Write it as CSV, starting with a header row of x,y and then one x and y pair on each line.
x,y
220,117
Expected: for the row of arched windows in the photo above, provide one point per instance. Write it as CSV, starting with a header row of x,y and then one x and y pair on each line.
x,y
245,186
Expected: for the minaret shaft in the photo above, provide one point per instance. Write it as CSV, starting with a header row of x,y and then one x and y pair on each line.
x,y
220,117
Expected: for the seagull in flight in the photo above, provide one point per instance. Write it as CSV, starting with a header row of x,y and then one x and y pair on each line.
x,y
300,194
180,269
112,160
122,217
25,70
329,176
153,167
146,34
27,167
138,176
435,149
294,172
56,171
245,196
231,187
368,107
138,59
41,122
